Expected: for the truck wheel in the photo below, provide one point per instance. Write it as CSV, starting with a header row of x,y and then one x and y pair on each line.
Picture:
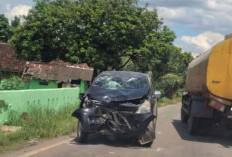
x,y
229,127
193,125
229,124
82,136
184,116
205,126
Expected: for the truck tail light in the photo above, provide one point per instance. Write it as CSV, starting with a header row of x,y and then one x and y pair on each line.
x,y
217,106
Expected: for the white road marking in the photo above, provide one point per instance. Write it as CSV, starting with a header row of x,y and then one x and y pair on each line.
x,y
112,152
43,149
71,143
159,149
148,150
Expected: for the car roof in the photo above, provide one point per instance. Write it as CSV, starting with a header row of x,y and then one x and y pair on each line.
x,y
126,73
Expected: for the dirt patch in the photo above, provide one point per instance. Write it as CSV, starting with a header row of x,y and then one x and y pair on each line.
x,y
9,129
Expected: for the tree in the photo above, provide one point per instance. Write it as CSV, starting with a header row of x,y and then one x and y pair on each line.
x,y
15,22
161,57
105,34
169,84
4,28
179,62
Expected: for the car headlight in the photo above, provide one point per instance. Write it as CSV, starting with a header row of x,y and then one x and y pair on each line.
x,y
145,107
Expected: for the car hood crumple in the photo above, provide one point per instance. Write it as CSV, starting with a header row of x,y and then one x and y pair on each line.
x,y
119,95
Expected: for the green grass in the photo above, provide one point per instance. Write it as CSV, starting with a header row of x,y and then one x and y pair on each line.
x,y
41,123
166,101
37,124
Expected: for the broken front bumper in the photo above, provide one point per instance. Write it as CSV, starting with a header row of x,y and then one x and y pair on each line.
x,y
96,119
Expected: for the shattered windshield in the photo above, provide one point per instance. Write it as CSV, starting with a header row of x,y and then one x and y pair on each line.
x,y
121,81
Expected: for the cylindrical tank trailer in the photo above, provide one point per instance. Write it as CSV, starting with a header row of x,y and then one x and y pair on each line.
x,y
208,93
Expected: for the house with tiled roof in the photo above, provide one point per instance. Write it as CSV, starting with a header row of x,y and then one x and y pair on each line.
x,y
37,74
56,74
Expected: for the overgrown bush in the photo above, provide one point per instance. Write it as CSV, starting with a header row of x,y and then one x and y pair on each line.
x,y
169,84
13,83
38,123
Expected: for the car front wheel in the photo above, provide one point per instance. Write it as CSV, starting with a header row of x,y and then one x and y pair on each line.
x,y
82,136
149,135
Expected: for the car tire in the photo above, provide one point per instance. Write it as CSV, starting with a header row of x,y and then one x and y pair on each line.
x,y
184,116
148,133
82,136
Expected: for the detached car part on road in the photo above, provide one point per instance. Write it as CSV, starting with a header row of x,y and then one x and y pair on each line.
x,y
119,102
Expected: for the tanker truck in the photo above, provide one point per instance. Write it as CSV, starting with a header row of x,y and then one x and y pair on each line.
x,y
207,98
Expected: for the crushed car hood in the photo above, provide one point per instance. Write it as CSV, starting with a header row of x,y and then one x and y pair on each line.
x,y
109,95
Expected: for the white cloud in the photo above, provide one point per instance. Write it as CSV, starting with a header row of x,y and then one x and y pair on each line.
x,y
8,5
19,10
199,18
204,40
200,43
211,18
201,15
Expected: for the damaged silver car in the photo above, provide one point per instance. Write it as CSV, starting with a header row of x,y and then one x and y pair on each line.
x,y
121,103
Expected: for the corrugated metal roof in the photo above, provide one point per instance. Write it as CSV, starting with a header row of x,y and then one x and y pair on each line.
x,y
59,71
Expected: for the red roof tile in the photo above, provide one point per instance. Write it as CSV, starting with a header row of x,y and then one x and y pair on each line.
x,y
8,59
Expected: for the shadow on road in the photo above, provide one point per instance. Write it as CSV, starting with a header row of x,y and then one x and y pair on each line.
x,y
217,135
110,140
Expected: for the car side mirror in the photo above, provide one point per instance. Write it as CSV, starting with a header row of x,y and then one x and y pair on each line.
x,y
157,94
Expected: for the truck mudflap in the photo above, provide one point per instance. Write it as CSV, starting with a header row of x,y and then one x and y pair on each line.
x,y
200,108
129,124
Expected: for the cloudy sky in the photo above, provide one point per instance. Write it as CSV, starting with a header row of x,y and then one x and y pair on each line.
x,y
198,24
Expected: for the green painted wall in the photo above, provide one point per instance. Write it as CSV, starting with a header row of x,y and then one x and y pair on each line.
x,y
18,101
3,112
39,84
83,86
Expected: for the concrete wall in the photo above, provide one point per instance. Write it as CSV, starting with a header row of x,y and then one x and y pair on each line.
x,y
18,101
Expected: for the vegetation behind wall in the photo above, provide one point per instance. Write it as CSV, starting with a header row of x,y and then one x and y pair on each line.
x,y
37,124
13,83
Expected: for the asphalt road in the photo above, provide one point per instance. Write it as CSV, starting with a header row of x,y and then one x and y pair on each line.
x,y
172,141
